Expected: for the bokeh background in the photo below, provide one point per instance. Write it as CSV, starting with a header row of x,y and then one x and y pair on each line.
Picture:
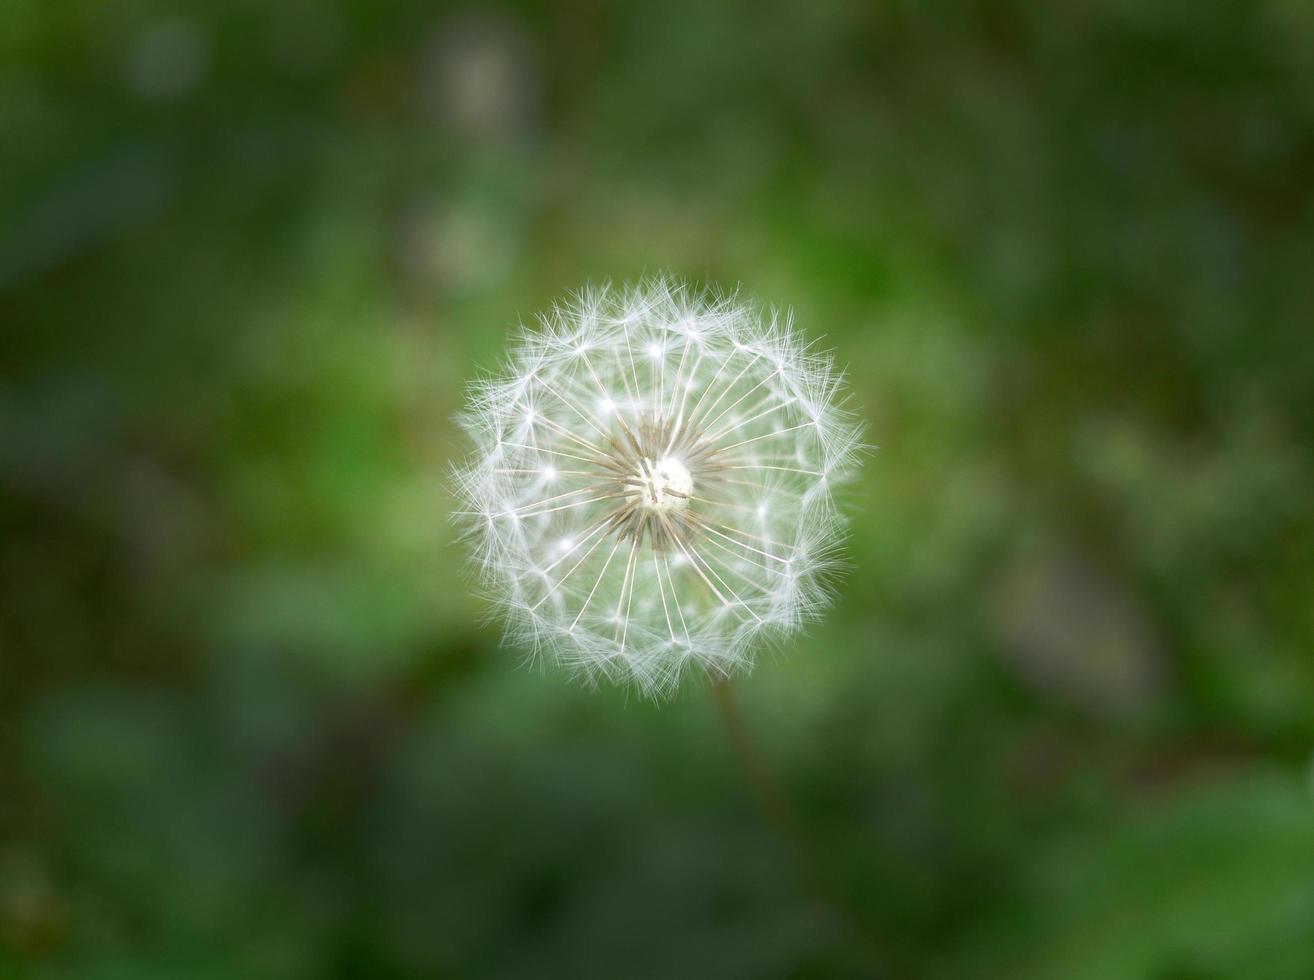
x,y
252,722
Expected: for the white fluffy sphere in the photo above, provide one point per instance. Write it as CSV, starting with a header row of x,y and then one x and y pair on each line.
x,y
651,484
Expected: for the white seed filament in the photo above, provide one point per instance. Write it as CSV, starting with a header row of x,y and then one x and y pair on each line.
x,y
651,485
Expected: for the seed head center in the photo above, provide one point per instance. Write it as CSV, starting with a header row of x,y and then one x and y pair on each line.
x,y
664,484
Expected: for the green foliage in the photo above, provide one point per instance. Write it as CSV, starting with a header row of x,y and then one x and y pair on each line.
x,y
1060,721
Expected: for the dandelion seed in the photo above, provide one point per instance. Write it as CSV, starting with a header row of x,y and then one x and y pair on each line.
x,y
692,446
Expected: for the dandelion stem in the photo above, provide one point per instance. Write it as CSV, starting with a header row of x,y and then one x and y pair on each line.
x,y
776,808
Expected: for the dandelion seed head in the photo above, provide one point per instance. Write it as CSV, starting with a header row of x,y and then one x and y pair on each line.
x,y
651,485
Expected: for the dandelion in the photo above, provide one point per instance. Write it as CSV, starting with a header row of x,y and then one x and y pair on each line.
x,y
651,485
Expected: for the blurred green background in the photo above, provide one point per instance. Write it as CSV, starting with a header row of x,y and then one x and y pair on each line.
x,y
252,721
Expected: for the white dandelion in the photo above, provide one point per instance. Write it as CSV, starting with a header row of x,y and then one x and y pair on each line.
x,y
651,488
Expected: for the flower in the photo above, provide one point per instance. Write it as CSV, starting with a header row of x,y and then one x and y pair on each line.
x,y
651,484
